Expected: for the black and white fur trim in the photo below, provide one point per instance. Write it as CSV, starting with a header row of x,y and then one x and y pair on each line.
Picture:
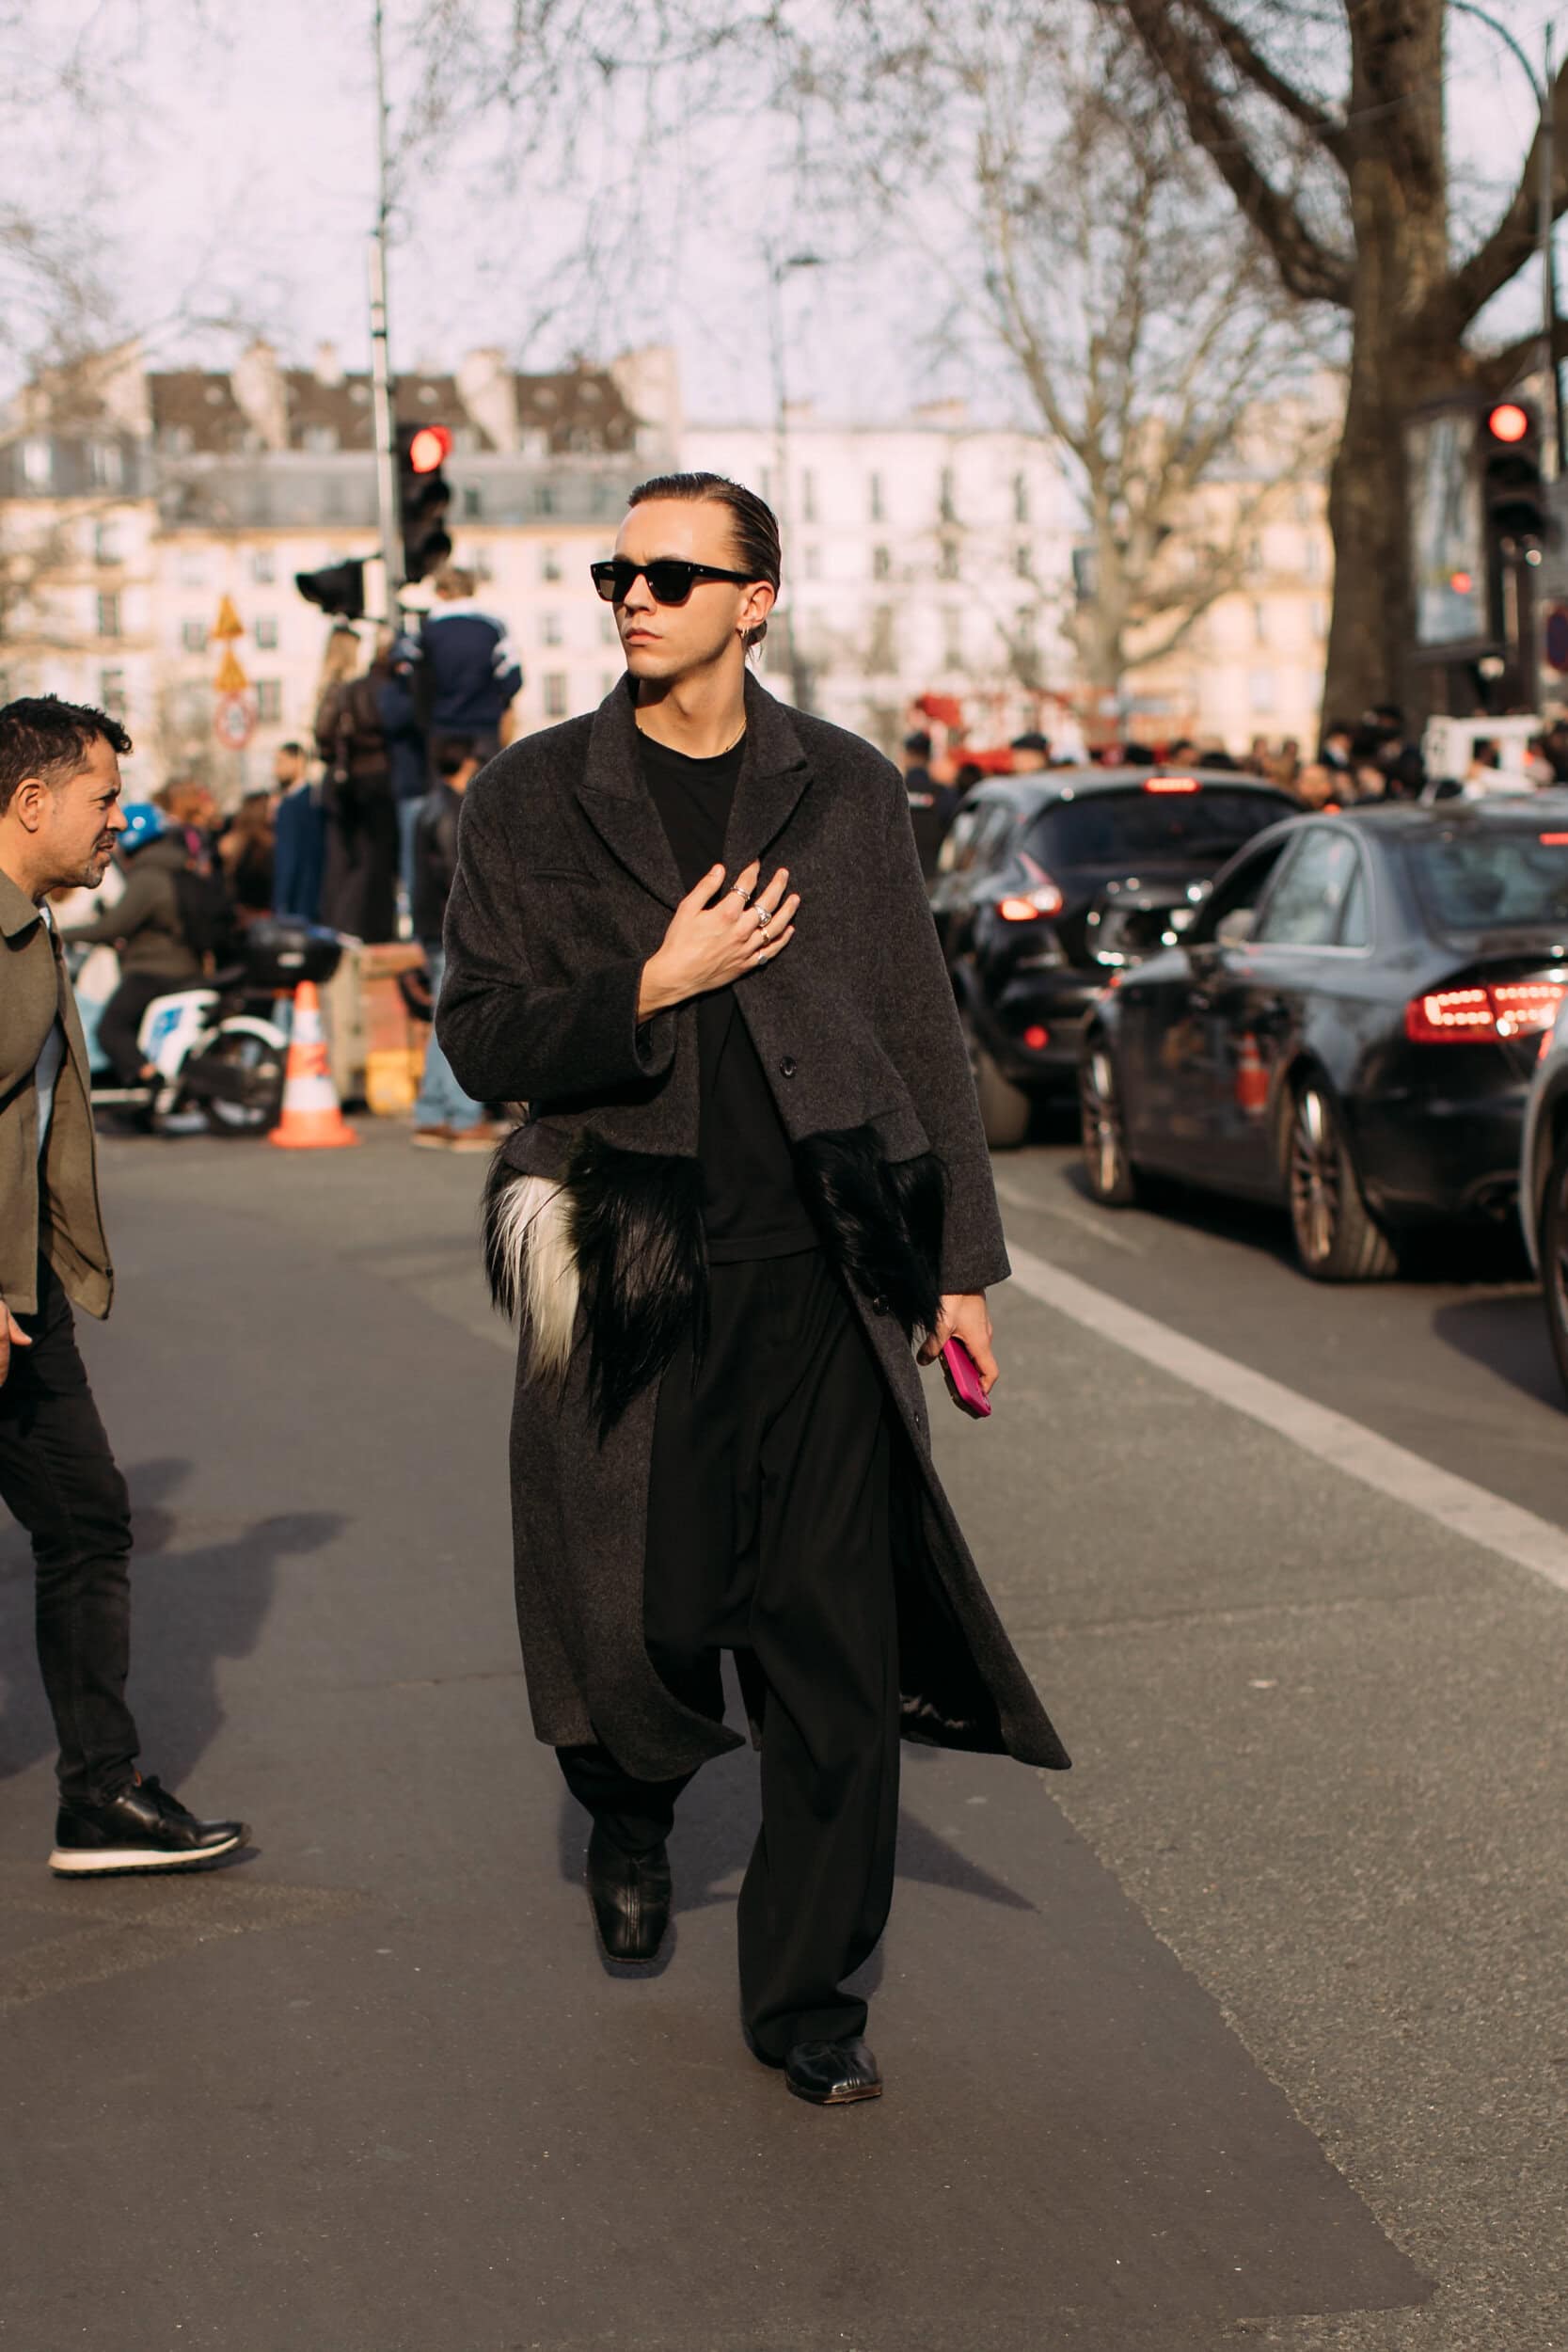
x,y
619,1237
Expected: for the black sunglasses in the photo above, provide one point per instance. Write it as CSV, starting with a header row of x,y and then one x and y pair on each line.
x,y
670,578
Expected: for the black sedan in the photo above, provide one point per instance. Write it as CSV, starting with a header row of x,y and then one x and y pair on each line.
x,y
1049,882
1347,1027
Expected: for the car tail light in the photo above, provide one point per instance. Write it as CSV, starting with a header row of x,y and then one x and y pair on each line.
x,y
1171,784
1037,1037
1045,898
1506,1008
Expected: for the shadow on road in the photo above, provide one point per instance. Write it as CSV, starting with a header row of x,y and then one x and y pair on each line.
x,y
198,1595
1509,1337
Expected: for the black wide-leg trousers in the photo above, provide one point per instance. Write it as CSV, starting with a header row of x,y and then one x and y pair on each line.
x,y
768,1534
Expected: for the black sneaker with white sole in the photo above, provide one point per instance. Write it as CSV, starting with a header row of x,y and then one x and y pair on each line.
x,y
140,1828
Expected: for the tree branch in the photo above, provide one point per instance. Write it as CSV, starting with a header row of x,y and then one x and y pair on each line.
x,y
1253,68
1307,268
1512,241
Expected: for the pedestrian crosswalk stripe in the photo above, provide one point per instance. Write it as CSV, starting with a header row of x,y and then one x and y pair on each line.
x,y
1454,1502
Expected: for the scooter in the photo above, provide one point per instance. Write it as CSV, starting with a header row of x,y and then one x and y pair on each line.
x,y
220,1061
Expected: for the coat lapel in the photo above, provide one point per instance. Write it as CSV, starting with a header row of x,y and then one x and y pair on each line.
x,y
617,803
772,781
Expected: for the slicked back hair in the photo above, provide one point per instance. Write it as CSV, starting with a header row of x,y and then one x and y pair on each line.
x,y
754,525
41,736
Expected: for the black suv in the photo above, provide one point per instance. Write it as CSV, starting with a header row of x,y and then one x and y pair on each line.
x,y
1051,884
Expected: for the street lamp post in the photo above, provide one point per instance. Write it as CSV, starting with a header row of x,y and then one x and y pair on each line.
x,y
780,266
1543,88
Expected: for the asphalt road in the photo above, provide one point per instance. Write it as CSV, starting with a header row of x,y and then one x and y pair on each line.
x,y
1251,2030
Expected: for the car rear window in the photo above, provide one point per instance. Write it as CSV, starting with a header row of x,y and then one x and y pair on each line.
x,y
1488,881
1139,827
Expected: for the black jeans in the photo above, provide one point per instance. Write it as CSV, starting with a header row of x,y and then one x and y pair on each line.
x,y
121,1018
58,1477
768,1534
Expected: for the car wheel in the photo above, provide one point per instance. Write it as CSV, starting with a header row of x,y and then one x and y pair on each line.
x,y
1005,1110
1337,1240
1553,1243
1112,1178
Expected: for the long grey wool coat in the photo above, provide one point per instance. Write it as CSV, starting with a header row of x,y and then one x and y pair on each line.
x,y
566,884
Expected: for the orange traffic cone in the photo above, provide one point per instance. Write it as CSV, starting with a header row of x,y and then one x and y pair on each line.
x,y
312,1120
1252,1079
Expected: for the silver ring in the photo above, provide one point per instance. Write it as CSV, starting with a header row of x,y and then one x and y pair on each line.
x,y
761,913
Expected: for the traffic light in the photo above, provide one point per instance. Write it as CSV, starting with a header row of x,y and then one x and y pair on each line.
x,y
338,588
423,497
1512,491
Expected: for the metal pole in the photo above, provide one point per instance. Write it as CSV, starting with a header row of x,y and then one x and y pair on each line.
x,y
1548,256
381,362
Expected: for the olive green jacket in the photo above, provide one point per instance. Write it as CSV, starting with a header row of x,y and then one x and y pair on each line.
x,y
50,1208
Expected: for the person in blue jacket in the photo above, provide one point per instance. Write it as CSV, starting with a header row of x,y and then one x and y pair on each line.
x,y
468,673
300,826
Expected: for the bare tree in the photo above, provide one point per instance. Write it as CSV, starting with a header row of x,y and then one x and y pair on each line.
x,y
1019,157
1326,126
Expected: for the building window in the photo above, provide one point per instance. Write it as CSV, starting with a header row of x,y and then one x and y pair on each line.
x,y
192,636
947,566
875,494
1021,498
549,562
111,692
193,572
1025,622
318,438
551,631
808,496
266,630
952,638
555,693
1260,691
269,700
813,561
106,544
105,464
881,657
473,501
263,567
1260,622
945,499
1254,557
544,497
38,463
1024,560
882,564
108,615
1312,556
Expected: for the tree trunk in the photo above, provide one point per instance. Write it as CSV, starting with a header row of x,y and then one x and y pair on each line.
x,y
1399,211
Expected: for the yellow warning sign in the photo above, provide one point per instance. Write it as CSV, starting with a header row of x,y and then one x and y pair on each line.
x,y
229,623
231,678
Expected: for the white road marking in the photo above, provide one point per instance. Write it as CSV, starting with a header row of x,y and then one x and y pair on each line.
x,y
1454,1502
1100,1226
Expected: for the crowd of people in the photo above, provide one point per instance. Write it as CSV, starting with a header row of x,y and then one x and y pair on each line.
x,y
1375,759
356,833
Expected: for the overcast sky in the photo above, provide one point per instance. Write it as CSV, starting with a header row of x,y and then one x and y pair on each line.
x,y
244,174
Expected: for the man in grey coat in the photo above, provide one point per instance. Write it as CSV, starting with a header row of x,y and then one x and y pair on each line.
x,y
690,932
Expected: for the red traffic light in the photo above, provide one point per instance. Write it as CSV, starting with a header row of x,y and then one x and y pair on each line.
x,y
1508,422
429,449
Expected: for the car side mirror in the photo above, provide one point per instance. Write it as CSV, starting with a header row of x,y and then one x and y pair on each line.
x,y
1235,928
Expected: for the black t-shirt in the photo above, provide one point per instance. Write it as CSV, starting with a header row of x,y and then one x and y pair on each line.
x,y
751,1207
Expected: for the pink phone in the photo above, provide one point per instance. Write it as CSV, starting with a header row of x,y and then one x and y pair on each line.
x,y
963,1379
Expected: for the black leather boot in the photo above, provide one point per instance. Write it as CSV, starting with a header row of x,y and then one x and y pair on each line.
x,y
629,1900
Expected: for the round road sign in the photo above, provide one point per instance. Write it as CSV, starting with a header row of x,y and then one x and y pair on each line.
x,y
234,721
